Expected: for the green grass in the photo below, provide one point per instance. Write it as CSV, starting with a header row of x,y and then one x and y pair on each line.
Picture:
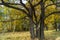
x,y
49,35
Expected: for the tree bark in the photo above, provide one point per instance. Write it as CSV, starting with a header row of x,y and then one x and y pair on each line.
x,y
32,30
37,30
42,29
42,21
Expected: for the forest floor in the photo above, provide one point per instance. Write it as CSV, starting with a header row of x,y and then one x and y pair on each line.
x,y
49,35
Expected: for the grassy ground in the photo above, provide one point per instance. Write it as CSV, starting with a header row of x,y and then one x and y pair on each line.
x,y
49,35
15,36
52,35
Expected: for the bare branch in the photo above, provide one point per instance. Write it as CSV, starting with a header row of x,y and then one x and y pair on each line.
x,y
24,5
11,3
15,4
56,12
7,5
52,4
14,8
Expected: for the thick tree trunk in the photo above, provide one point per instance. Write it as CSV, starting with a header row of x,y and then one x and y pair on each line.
x,y
42,21
32,30
42,29
37,30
